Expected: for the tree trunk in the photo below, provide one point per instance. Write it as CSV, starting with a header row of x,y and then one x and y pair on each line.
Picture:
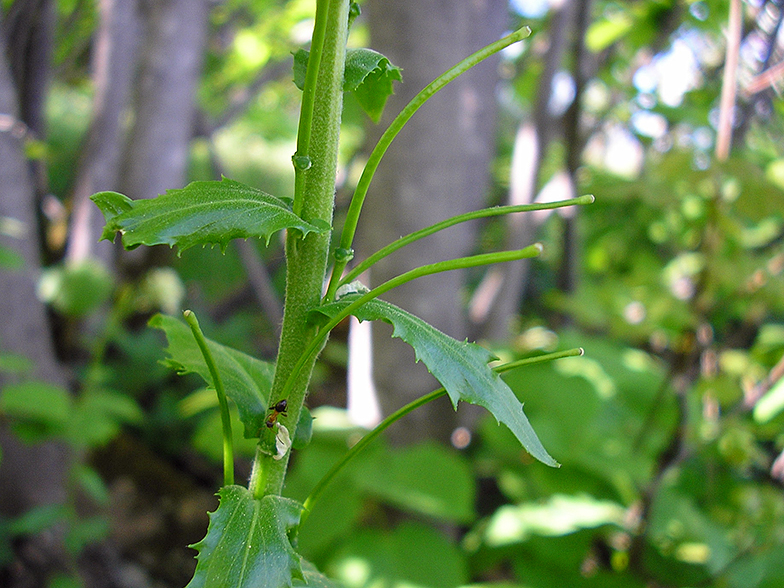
x,y
436,168
30,475
114,66
171,60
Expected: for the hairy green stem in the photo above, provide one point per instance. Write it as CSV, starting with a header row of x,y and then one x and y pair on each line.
x,y
321,485
302,159
306,258
228,449
426,270
461,218
358,199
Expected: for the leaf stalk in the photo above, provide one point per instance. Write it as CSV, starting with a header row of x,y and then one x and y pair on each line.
x,y
425,270
355,450
360,192
228,440
461,218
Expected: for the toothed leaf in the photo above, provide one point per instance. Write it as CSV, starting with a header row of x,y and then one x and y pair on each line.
x,y
247,544
368,74
201,213
461,367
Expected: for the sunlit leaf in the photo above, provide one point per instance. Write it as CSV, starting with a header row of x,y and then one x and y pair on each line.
x,y
607,31
461,367
201,213
76,289
247,380
411,554
247,543
771,404
560,515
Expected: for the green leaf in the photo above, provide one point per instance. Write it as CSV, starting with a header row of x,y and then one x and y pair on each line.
x,y
98,415
304,431
314,578
76,289
201,213
461,367
37,401
411,554
247,543
10,259
300,67
559,515
12,363
368,74
426,478
247,380
603,33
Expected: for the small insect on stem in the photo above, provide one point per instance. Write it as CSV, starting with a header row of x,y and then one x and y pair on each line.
x,y
277,409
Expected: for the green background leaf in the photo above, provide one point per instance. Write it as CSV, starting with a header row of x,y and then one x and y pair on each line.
x,y
410,555
426,478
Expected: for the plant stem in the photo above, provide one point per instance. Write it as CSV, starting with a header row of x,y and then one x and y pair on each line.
x,y
308,105
461,218
358,199
228,441
306,259
321,485
426,270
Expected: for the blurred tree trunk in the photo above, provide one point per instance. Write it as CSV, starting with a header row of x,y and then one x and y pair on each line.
x,y
504,288
172,54
531,143
172,36
114,67
436,168
30,474
154,158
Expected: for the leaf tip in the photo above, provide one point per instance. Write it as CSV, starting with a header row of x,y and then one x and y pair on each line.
x,y
522,33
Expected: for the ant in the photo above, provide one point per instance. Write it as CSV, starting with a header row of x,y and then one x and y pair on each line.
x,y
277,409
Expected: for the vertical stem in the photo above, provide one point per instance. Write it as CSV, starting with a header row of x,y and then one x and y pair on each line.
x,y
729,82
307,258
302,158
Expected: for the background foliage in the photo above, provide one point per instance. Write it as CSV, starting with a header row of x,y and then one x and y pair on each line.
x,y
669,429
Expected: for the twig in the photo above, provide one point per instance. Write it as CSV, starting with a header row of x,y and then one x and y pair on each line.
x,y
729,82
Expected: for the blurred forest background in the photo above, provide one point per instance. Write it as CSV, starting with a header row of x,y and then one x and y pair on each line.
x,y
670,428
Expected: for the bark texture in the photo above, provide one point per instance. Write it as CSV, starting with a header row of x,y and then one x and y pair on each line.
x,y
30,474
114,67
171,61
436,168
